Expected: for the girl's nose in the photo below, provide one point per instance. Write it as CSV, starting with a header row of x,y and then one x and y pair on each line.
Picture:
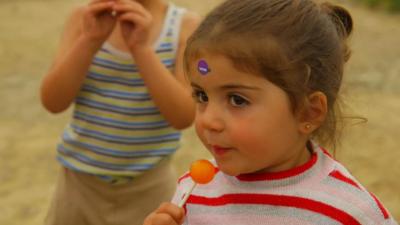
x,y
210,118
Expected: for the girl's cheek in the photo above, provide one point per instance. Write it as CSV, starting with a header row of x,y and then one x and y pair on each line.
x,y
197,127
242,135
199,131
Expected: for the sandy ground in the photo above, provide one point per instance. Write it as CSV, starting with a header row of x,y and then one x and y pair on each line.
x,y
29,32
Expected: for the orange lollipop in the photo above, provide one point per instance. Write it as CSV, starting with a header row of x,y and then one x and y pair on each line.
x,y
201,172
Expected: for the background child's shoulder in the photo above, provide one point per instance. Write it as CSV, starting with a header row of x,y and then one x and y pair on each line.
x,y
190,22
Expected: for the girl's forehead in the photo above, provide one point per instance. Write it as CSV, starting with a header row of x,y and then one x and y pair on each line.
x,y
209,65
203,63
202,67
217,70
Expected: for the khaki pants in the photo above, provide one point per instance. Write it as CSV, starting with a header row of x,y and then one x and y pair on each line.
x,y
82,199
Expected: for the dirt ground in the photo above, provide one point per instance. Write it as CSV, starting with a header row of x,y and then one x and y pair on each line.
x,y
29,31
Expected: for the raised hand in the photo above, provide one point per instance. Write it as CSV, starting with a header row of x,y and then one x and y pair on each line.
x,y
98,21
135,23
166,214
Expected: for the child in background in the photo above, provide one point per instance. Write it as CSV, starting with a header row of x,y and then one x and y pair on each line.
x,y
120,62
266,76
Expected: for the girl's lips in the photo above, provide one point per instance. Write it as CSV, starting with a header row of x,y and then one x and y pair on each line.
x,y
218,150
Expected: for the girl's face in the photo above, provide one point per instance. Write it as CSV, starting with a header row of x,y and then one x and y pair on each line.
x,y
244,120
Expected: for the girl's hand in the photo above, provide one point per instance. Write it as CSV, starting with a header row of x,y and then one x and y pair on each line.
x,y
166,214
135,22
98,21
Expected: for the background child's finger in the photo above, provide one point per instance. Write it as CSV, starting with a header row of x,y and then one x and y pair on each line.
x,y
123,7
133,18
97,1
101,6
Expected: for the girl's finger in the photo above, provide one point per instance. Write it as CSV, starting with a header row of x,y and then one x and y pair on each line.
x,y
172,210
160,219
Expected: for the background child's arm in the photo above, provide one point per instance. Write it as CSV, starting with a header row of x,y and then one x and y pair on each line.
x,y
166,214
171,94
85,30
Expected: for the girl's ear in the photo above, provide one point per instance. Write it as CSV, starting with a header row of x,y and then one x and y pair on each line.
x,y
313,113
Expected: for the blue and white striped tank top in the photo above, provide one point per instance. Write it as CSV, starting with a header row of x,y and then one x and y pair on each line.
x,y
116,129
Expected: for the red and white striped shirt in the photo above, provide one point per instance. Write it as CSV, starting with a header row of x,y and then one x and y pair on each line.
x,y
321,191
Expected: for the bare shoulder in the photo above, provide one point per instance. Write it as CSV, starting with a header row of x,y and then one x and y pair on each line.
x,y
191,18
190,22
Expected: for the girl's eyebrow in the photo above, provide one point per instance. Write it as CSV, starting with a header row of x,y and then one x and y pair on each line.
x,y
195,85
230,86
239,86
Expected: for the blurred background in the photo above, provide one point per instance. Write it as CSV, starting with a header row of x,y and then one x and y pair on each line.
x,y
29,33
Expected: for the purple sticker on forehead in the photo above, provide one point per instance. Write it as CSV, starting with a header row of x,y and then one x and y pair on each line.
x,y
202,67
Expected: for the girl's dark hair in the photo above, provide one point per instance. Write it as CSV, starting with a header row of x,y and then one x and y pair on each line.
x,y
299,45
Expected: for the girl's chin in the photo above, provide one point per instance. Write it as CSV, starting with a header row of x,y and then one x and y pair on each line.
x,y
234,170
228,170
230,173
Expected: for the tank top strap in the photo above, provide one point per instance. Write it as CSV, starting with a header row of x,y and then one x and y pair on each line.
x,y
169,36
167,41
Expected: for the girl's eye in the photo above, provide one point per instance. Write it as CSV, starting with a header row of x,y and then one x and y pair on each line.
x,y
237,101
200,96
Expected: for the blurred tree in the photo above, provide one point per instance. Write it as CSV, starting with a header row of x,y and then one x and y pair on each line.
x,y
391,5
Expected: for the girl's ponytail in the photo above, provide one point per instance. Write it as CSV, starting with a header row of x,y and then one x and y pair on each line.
x,y
342,21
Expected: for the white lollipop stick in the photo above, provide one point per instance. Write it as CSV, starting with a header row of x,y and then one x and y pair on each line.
x,y
185,198
202,172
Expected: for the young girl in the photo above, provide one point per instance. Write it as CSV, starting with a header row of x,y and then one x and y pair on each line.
x,y
266,76
115,63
